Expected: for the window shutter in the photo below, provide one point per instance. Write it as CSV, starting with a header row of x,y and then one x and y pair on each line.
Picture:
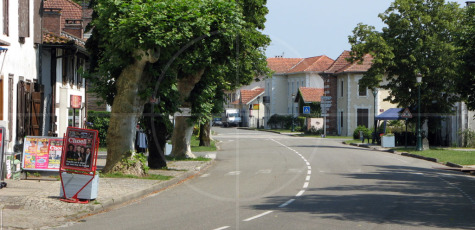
x,y
23,18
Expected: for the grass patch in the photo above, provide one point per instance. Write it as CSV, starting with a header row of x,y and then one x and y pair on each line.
x,y
340,137
195,145
283,130
147,177
444,155
356,141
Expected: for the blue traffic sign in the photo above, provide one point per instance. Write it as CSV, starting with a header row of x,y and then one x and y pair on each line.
x,y
306,110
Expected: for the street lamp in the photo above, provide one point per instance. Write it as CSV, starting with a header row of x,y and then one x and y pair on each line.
x,y
375,92
258,110
419,136
292,104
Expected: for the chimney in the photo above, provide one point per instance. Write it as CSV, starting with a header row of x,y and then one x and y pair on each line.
x,y
74,27
52,20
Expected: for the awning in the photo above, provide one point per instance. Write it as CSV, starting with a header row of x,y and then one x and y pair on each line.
x,y
390,114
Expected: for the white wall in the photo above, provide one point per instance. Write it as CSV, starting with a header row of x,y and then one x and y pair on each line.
x,y
20,61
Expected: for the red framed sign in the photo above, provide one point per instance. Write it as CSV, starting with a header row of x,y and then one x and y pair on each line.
x,y
80,149
75,101
79,156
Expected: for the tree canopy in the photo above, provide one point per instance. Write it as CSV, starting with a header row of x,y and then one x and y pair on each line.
x,y
419,38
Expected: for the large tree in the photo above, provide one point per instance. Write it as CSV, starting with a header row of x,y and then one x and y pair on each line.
x,y
419,38
233,63
467,41
130,36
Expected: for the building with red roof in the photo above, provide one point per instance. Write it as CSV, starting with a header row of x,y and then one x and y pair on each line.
x,y
351,104
290,74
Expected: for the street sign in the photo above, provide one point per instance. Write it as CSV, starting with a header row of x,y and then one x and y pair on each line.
x,y
326,98
406,114
306,110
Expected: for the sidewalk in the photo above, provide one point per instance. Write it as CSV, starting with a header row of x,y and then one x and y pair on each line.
x,y
34,203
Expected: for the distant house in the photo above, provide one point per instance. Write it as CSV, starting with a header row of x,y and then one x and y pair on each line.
x,y
309,97
355,105
63,55
289,75
250,103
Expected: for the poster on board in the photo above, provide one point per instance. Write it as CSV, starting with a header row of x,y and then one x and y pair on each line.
x,y
80,147
42,153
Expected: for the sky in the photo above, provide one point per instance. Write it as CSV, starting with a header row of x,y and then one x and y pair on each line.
x,y
308,28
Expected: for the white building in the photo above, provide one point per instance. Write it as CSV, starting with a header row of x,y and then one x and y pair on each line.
x,y
289,75
20,87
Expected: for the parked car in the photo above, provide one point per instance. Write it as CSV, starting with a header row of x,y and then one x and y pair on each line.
x,y
217,122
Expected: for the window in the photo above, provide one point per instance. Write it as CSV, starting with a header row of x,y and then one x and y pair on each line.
x,y
73,120
341,119
341,89
5,17
362,91
362,117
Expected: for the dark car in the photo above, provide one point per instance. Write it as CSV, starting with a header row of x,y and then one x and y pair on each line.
x,y
217,122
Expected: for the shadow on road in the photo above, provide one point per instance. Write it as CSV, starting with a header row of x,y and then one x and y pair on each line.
x,y
400,195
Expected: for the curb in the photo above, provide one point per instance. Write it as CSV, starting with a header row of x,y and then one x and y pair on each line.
x,y
420,157
94,209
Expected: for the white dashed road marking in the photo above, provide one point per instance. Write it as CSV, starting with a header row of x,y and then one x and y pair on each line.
x,y
257,216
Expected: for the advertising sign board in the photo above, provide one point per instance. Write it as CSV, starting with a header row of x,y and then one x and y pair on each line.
x,y
80,149
42,153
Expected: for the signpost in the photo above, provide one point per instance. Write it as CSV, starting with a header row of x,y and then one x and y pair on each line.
x,y
79,164
406,114
306,110
325,104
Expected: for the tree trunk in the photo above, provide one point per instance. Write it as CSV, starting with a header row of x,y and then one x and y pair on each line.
x,y
181,138
156,144
205,134
183,129
126,109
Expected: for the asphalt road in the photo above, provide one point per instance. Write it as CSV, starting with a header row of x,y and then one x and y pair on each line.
x,y
268,181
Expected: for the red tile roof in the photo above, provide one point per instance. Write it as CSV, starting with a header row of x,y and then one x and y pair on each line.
x,y
282,65
297,65
247,96
65,38
50,38
313,64
341,65
69,9
311,94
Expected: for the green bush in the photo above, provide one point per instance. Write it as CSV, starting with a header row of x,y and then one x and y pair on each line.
x,y
314,131
99,121
280,121
301,122
468,138
356,133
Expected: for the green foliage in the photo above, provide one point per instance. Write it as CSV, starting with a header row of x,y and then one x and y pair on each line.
x,y
195,30
418,38
465,39
468,137
100,122
136,157
147,177
367,133
282,121
314,131
300,121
